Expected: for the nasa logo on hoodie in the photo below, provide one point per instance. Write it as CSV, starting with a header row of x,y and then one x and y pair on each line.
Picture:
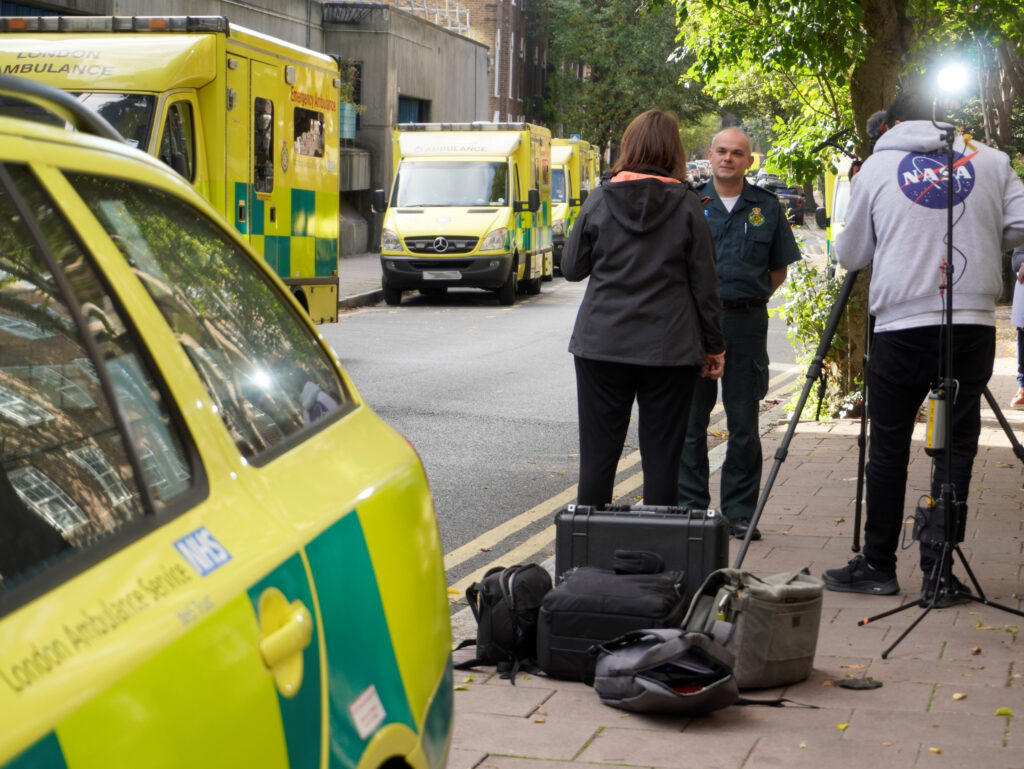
x,y
922,178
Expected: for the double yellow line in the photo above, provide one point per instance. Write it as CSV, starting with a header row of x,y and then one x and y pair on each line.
x,y
542,539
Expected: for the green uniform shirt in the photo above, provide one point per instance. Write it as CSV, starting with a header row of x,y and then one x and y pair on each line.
x,y
751,241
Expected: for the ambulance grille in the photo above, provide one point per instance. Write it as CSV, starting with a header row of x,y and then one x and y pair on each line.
x,y
440,244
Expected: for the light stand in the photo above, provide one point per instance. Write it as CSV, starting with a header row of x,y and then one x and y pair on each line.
x,y
942,571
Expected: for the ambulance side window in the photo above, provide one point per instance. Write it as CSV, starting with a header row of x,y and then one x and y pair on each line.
x,y
177,143
309,132
263,145
77,394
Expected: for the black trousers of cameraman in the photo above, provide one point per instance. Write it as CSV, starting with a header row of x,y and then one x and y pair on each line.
x,y
903,367
605,393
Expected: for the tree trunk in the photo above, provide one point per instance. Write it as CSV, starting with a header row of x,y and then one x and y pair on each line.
x,y
873,81
872,88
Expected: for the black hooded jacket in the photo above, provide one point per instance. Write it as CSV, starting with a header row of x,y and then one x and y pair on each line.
x,y
652,299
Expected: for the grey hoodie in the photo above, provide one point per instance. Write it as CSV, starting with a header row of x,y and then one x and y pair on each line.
x,y
897,220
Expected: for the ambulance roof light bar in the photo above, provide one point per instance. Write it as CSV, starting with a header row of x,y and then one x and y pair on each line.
x,y
80,24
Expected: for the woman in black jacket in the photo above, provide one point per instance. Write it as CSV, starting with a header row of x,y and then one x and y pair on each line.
x,y
650,321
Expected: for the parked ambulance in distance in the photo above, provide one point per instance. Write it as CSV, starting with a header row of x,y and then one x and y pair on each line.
x,y
572,179
831,217
251,121
213,552
470,205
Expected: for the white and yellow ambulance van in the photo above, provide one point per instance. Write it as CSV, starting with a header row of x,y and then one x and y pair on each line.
x,y
470,205
251,121
572,179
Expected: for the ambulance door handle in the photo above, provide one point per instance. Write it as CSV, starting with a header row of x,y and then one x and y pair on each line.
x,y
273,213
241,211
289,639
286,629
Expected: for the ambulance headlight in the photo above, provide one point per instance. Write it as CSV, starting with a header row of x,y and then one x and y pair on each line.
x,y
495,241
389,241
558,228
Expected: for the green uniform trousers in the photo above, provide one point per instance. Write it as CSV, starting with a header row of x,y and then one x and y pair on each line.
x,y
744,384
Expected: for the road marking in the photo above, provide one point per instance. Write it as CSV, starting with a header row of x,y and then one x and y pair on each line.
x,y
542,539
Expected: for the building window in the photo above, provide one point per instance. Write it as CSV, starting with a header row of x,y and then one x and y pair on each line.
x,y
511,62
497,60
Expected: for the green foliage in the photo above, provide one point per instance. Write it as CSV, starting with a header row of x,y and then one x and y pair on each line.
x,y
809,296
608,61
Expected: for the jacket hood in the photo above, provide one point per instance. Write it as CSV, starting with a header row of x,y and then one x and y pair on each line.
x,y
642,205
914,136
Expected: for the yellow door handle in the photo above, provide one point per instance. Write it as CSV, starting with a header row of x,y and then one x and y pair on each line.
x,y
286,630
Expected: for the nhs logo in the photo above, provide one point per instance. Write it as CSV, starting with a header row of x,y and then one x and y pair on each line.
x,y
202,551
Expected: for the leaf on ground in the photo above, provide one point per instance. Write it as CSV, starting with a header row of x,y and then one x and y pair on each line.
x,y
842,726
959,696
1003,712
976,650
453,591
980,625
461,688
887,744
857,666
936,751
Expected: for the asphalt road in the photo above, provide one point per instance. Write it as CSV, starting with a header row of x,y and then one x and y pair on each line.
x,y
486,394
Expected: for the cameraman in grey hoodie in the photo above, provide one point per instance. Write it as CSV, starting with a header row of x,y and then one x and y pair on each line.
x,y
897,222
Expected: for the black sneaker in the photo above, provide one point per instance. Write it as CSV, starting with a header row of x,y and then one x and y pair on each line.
x,y
859,576
738,528
957,593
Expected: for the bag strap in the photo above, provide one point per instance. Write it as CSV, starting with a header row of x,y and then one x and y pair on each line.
x,y
778,702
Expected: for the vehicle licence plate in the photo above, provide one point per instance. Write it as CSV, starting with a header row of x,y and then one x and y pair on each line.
x,y
442,275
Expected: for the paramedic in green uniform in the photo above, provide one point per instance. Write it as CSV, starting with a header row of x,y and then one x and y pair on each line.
x,y
754,244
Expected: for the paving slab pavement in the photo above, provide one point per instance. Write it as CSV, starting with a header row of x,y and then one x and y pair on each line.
x,y
913,721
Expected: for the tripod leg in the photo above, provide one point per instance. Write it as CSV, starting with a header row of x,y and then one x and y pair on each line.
x,y
813,372
862,440
1018,449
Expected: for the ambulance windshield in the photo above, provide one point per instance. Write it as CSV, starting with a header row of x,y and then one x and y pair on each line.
x,y
130,113
458,183
557,185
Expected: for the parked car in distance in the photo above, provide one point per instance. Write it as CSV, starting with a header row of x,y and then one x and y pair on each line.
x,y
791,196
213,552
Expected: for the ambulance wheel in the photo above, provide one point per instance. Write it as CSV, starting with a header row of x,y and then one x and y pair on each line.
x,y
532,287
392,296
507,292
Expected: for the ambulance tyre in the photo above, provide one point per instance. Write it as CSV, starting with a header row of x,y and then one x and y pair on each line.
x,y
392,296
532,285
507,292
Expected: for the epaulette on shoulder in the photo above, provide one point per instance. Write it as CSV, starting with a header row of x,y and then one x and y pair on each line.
x,y
770,193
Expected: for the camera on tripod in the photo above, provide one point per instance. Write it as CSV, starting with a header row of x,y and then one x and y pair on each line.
x,y
930,521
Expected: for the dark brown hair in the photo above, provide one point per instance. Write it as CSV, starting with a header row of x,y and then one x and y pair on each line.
x,y
650,142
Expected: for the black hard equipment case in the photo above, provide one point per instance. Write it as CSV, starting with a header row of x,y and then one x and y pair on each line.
x,y
693,541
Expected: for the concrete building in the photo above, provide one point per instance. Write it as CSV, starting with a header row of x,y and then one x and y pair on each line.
x,y
512,32
403,67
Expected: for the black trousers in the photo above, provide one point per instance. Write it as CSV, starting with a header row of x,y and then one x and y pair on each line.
x,y
605,394
902,368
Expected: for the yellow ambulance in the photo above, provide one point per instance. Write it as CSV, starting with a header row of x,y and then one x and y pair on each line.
x,y
572,178
831,217
213,552
251,121
470,205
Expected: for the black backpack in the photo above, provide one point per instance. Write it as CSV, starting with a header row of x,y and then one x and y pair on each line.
x,y
506,605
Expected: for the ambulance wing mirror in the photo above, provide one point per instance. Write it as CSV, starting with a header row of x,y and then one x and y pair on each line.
x,y
532,202
820,218
379,202
580,200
